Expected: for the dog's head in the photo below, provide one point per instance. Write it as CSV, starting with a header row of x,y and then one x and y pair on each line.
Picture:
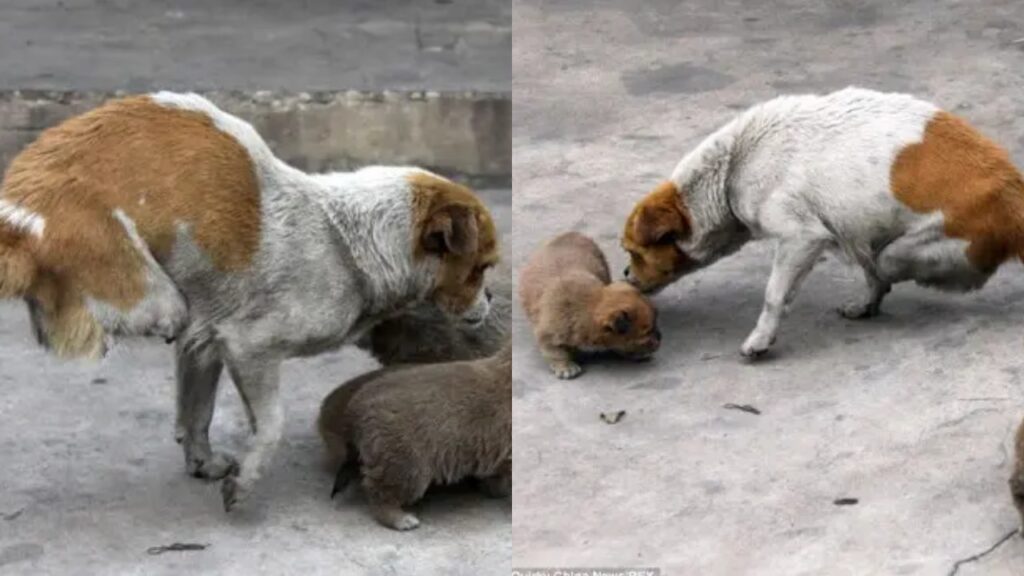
x,y
454,232
626,322
653,232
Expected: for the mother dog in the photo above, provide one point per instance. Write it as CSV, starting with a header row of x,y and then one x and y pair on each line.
x,y
164,215
907,191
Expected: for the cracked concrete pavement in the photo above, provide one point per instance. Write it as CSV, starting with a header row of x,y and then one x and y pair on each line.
x,y
912,413
92,477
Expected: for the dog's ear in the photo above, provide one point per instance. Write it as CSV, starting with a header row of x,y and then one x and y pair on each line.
x,y
660,217
619,323
451,229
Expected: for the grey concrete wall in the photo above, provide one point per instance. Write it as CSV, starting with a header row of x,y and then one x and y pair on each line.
x,y
465,134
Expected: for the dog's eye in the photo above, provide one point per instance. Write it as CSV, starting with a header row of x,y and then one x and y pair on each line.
x,y
666,239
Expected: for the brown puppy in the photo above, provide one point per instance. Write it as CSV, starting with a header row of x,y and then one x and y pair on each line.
x,y
1017,480
574,306
409,427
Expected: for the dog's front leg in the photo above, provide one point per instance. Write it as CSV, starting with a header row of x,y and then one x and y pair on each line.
x,y
794,258
256,377
198,373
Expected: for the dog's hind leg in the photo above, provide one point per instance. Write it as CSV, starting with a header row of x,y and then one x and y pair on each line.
x,y
794,258
162,310
256,377
869,303
931,258
198,374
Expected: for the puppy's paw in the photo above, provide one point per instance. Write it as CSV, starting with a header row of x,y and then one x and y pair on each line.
x,y
756,345
233,491
394,517
406,522
857,309
566,370
213,467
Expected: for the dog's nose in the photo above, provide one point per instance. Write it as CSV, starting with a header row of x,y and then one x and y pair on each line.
x,y
625,271
488,295
657,335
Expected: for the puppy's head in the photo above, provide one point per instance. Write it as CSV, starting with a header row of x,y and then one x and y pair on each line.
x,y
626,322
654,229
1017,480
454,231
1017,492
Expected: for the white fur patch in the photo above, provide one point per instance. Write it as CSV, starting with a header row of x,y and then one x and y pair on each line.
x,y
231,125
22,219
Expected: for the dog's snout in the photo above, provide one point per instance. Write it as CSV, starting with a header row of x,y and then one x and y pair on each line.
x,y
488,294
625,272
657,335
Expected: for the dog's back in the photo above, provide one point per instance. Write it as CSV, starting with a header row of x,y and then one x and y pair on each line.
x,y
874,166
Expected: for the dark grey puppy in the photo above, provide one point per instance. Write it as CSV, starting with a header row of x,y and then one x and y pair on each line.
x,y
407,427
428,335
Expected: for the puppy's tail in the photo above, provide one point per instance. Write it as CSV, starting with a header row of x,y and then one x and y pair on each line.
x,y
346,473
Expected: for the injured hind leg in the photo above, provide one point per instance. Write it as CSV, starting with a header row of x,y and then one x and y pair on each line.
x,y
161,311
62,322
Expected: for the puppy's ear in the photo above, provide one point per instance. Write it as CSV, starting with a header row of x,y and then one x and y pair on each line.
x,y
660,218
619,323
451,229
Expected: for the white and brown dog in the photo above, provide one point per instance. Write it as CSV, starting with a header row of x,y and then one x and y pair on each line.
x,y
902,188
162,214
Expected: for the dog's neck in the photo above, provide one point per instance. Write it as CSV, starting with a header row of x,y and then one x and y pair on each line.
x,y
703,177
371,214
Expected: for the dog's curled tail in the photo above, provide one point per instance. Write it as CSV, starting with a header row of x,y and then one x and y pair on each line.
x,y
17,269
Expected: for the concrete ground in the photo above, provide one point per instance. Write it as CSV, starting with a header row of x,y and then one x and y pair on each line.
x,y
92,478
255,45
911,413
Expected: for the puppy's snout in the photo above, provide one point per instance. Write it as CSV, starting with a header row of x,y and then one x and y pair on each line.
x,y
625,272
488,295
657,336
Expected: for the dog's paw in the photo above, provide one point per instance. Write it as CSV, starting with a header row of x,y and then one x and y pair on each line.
x,y
567,370
233,491
213,467
857,310
756,345
405,522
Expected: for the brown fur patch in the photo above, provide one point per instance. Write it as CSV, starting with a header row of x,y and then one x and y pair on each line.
x,y
566,292
161,166
972,181
657,222
17,268
451,222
